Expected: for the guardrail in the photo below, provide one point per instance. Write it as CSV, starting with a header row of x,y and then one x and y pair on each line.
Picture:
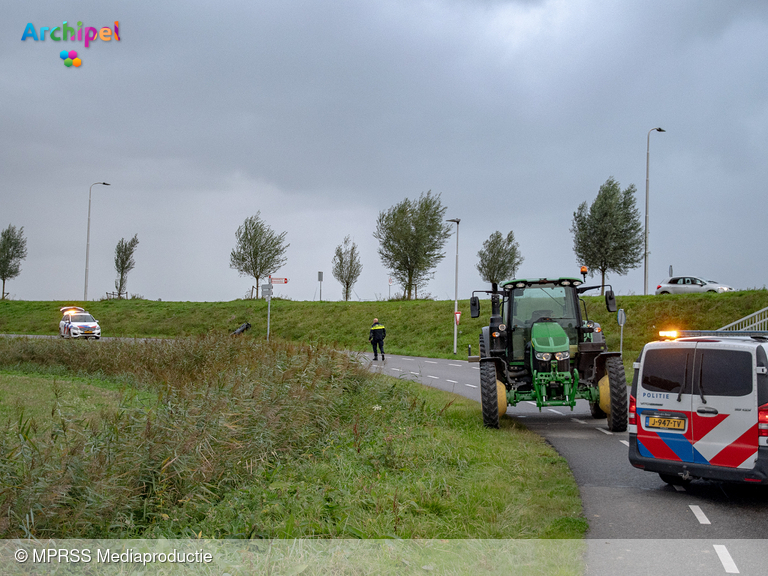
x,y
755,321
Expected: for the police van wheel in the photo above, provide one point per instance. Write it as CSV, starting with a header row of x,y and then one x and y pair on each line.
x,y
617,418
489,399
673,480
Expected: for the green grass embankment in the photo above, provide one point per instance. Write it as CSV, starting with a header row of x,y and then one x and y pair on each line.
x,y
418,328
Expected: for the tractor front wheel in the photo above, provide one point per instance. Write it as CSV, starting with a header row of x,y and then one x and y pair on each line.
x,y
597,412
617,417
489,397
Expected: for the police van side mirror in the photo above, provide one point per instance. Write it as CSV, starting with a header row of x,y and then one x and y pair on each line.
x,y
474,307
610,301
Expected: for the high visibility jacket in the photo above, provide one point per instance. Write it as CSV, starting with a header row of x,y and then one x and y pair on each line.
x,y
378,332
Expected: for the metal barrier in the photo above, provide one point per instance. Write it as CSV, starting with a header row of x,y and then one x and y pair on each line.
x,y
755,321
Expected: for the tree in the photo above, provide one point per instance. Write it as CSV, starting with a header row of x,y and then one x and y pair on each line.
x,y
13,249
347,266
259,251
608,235
499,258
124,262
411,237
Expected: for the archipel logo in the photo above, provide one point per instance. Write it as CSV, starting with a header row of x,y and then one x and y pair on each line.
x,y
68,33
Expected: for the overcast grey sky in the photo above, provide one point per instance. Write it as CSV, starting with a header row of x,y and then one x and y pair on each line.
x,y
321,114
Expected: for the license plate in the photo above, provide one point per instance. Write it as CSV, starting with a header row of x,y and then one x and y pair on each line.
x,y
665,423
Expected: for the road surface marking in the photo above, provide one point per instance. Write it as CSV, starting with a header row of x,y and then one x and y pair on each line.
x,y
531,403
397,369
555,411
476,367
577,420
625,442
430,362
679,488
410,359
470,385
605,431
451,381
459,365
433,377
416,373
725,558
700,516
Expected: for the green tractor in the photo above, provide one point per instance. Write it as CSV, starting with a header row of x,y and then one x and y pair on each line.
x,y
540,347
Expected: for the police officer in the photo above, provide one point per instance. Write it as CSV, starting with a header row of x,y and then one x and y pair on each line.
x,y
376,337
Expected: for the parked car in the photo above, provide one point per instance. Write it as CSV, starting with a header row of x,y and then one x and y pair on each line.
x,y
698,408
690,285
77,323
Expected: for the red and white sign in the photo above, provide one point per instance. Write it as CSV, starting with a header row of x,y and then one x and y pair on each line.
x,y
458,317
279,280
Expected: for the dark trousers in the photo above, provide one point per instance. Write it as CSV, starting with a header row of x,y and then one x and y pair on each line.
x,y
380,343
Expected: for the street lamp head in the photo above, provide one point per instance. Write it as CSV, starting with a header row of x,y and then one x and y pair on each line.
x,y
457,220
659,129
108,184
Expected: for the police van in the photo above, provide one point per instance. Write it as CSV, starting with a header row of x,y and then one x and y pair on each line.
x,y
699,408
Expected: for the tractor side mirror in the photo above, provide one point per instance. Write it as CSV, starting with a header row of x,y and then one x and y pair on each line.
x,y
474,307
610,301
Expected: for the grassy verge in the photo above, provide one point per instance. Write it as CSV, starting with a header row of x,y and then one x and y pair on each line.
x,y
244,439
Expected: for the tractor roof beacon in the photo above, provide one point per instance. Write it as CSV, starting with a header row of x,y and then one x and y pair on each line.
x,y
540,346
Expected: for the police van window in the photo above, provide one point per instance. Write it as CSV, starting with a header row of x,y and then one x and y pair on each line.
x,y
664,370
724,372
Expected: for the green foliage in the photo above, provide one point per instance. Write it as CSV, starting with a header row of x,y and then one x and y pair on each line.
x,y
347,266
13,249
248,439
124,262
608,236
411,237
259,251
500,258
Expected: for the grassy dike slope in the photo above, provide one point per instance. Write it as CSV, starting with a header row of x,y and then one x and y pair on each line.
x,y
418,328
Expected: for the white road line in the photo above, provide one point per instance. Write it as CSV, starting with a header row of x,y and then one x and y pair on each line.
x,y
531,403
397,369
700,516
416,373
605,431
476,367
470,385
725,559
577,420
459,365
555,411
433,377
451,381
409,359
430,362
625,442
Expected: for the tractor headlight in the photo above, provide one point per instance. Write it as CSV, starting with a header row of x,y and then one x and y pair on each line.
x,y
562,355
545,356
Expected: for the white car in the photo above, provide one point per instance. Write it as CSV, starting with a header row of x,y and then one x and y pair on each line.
x,y
690,285
77,323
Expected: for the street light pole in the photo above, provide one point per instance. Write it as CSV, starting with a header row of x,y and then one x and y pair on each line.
x,y
88,238
647,164
456,292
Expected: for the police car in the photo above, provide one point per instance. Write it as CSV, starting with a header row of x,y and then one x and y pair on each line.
x,y
77,323
699,408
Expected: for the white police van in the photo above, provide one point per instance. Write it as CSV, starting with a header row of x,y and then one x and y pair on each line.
x,y
699,408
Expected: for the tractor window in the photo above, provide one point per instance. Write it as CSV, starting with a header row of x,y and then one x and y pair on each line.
x,y
543,301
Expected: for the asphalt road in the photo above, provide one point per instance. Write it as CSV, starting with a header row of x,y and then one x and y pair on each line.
x,y
637,523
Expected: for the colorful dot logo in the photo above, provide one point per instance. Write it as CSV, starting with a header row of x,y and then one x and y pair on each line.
x,y
70,58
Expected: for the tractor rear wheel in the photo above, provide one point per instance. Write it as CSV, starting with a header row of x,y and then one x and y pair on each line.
x,y
597,412
617,417
489,399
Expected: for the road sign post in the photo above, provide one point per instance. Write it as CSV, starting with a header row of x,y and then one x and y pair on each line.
x,y
621,318
266,290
